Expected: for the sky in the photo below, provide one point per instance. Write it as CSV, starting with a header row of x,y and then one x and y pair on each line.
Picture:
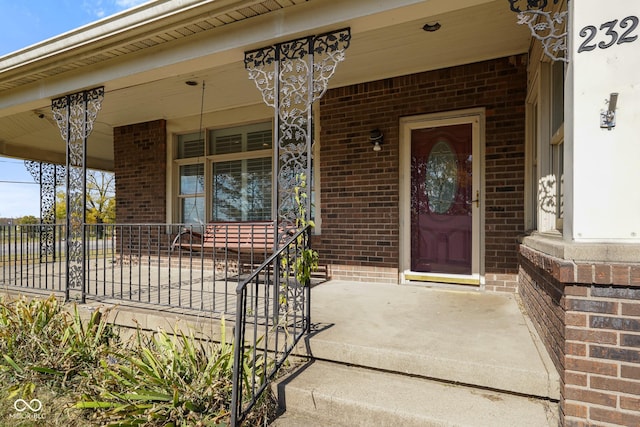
x,y
24,23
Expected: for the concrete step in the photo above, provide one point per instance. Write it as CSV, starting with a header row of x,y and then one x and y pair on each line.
x,y
533,379
325,393
297,419
472,338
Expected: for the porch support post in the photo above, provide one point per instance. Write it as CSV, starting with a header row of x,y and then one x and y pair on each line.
x,y
48,176
602,96
291,76
75,115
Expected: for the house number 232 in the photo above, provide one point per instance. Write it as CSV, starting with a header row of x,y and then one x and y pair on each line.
x,y
628,26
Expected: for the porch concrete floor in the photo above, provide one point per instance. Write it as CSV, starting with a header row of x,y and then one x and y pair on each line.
x,y
458,336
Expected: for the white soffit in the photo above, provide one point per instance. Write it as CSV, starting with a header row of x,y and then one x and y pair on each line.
x,y
151,24
156,28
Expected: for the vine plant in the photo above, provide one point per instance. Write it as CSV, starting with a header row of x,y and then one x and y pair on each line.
x,y
305,260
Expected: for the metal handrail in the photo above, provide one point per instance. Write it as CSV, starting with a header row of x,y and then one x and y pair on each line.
x,y
277,309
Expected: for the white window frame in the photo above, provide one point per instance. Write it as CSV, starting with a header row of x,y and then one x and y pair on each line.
x,y
532,171
174,206
545,155
208,160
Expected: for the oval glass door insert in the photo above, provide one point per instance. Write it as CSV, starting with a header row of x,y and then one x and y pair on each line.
x,y
441,177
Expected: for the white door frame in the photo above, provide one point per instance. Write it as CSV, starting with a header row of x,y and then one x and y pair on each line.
x,y
475,117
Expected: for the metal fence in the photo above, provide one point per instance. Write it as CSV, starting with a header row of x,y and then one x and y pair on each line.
x,y
33,257
139,264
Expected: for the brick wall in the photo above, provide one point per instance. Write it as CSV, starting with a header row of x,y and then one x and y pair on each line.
x,y
588,315
140,165
542,298
501,282
602,378
360,211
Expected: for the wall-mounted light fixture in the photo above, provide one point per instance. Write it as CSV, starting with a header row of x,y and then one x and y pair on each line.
x,y
608,117
431,28
376,137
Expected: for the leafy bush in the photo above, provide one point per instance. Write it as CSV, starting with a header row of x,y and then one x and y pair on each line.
x,y
49,352
85,375
38,340
166,380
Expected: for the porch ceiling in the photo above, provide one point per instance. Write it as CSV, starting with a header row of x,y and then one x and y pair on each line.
x,y
144,69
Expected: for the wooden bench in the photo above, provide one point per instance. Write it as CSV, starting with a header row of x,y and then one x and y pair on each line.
x,y
242,236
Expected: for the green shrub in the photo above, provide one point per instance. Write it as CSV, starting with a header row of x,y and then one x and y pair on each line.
x,y
166,380
40,341
48,353
85,375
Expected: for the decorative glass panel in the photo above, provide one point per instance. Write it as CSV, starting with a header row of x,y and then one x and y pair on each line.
x,y
441,177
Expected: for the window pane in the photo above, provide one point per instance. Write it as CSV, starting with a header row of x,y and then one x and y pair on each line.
x,y
241,139
192,179
226,144
534,166
242,190
558,168
227,187
191,145
192,210
258,189
260,140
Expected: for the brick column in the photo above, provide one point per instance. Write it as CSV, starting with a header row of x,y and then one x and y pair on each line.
x,y
588,315
140,164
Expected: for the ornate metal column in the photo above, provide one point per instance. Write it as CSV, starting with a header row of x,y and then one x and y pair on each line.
x,y
291,76
547,27
75,115
48,175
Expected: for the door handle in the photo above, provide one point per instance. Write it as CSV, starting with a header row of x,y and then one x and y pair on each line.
x,y
477,199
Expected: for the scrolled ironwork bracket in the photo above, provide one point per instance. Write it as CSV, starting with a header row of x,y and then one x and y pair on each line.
x,y
291,76
48,176
550,28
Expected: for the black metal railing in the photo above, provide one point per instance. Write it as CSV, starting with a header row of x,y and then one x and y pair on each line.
x,y
273,313
137,263
33,257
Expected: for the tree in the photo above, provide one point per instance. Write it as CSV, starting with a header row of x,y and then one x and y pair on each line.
x,y
61,207
100,197
28,225
101,202
28,220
